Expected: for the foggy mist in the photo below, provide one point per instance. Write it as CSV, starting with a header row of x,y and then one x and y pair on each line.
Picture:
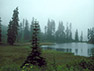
x,y
78,12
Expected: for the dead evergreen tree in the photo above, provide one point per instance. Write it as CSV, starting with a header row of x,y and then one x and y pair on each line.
x,y
35,57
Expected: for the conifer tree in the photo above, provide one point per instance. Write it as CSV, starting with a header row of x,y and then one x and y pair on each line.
x,y
0,31
76,36
67,32
13,28
20,32
9,39
70,31
31,28
35,57
91,35
81,37
26,31
50,28
60,34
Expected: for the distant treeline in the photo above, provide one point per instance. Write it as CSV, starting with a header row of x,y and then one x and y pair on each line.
x,y
60,35
22,32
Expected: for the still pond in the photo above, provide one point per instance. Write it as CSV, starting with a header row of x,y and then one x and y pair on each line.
x,y
81,49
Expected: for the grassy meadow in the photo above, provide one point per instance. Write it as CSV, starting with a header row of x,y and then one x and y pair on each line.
x,y
12,57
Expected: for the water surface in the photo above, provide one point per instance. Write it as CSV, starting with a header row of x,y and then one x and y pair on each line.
x,y
81,49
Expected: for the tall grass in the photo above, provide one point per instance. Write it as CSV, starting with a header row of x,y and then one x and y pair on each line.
x,y
12,57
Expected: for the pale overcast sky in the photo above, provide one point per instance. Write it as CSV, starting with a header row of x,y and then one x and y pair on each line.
x,y
79,12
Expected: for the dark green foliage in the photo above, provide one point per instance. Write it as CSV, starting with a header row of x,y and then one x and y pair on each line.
x,y
87,64
50,30
10,39
20,33
4,33
76,36
31,28
81,65
13,28
64,35
70,33
0,31
67,32
35,57
60,33
81,37
91,35
26,31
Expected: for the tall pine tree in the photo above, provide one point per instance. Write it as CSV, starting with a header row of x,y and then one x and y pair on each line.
x,y
50,28
31,28
76,36
60,34
13,27
35,57
20,31
81,37
67,31
26,31
9,39
70,31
